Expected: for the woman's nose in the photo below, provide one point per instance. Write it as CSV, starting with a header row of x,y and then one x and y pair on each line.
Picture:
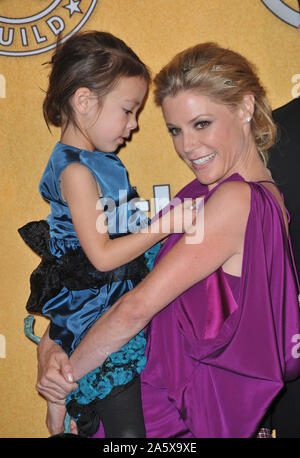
x,y
190,142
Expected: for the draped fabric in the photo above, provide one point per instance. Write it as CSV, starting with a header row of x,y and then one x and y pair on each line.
x,y
221,351
219,360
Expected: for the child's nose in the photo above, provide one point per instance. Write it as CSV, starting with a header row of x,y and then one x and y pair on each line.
x,y
132,123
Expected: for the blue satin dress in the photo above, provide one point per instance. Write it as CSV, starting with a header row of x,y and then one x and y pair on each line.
x,y
73,312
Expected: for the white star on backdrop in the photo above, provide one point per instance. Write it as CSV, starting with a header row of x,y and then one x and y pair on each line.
x,y
73,7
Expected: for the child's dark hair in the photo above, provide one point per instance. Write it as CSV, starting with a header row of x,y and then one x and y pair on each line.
x,y
95,60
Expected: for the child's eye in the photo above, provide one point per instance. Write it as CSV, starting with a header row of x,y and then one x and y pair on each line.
x,y
127,111
202,124
174,131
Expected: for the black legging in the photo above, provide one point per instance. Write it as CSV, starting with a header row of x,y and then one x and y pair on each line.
x,y
122,414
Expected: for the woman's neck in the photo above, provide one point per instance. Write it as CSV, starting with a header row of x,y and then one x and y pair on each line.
x,y
256,170
252,167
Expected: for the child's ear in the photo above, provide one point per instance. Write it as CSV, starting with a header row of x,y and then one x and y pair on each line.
x,y
81,100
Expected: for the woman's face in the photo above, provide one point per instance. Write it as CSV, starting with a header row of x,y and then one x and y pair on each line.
x,y
213,139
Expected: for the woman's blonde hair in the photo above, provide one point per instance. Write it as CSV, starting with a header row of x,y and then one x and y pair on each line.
x,y
223,75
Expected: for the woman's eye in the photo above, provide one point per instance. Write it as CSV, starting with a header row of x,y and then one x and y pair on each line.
x,y
173,131
127,111
202,124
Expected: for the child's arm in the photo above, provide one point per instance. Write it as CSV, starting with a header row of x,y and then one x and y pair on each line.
x,y
80,190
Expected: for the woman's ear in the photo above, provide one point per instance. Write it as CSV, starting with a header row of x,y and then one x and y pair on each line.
x,y
247,107
81,100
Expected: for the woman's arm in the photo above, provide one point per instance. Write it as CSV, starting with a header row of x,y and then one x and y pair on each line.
x,y
81,192
226,215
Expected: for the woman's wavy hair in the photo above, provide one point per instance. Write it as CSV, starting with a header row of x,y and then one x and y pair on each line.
x,y
223,75
95,60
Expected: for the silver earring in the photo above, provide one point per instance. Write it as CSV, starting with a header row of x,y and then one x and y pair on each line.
x,y
248,119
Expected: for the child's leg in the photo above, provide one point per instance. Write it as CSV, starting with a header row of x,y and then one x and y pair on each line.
x,y
55,417
122,415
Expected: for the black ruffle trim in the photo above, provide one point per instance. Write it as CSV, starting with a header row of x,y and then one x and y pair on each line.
x,y
87,415
72,270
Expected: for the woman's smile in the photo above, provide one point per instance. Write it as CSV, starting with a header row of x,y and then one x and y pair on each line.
x,y
203,161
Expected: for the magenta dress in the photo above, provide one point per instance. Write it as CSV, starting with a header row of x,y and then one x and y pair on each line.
x,y
221,351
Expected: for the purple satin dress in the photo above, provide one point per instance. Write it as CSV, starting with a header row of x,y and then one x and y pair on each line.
x,y
220,352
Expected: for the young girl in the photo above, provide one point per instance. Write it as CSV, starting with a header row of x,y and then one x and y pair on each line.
x,y
96,87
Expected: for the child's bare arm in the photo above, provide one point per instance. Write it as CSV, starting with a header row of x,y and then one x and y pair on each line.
x,y
81,192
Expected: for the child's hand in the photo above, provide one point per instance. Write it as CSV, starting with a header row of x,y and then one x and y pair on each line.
x,y
181,218
55,418
190,210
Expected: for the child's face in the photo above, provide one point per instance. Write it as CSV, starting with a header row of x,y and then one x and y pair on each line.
x,y
109,124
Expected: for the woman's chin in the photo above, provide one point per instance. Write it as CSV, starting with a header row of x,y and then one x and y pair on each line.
x,y
206,179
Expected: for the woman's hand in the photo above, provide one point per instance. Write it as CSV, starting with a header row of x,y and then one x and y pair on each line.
x,y
55,373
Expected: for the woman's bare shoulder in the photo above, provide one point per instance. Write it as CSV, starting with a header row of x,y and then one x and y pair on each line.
x,y
233,197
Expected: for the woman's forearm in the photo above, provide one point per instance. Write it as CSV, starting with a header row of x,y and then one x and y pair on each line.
x,y
108,334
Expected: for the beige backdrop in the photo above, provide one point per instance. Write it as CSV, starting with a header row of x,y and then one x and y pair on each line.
x,y
156,29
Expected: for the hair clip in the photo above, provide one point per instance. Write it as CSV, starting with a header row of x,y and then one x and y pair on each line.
x,y
229,83
186,69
